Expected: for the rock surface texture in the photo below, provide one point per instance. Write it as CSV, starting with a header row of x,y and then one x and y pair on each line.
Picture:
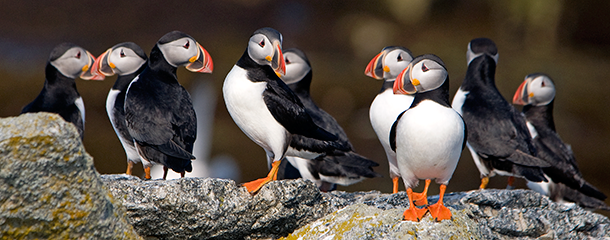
x,y
49,188
198,208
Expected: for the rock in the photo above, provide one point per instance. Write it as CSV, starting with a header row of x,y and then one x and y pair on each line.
x,y
202,208
361,221
49,188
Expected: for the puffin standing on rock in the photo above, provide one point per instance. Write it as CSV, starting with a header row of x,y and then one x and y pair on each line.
x,y
267,111
498,138
127,60
340,167
158,110
387,106
59,95
429,137
537,95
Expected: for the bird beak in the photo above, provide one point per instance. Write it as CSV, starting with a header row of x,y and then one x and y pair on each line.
x,y
202,62
521,95
403,83
277,60
90,75
102,65
375,68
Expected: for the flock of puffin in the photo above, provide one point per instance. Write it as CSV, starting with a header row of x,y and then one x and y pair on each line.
x,y
267,95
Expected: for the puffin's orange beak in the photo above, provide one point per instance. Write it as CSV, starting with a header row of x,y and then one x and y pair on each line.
x,y
521,96
202,62
375,67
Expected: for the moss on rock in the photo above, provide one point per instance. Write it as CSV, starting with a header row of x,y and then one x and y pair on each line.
x,y
49,188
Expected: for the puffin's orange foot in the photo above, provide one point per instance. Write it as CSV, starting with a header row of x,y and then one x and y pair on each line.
x,y
439,212
256,185
414,214
147,173
394,185
420,199
484,182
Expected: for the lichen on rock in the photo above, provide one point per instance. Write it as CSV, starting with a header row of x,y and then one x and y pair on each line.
x,y
48,184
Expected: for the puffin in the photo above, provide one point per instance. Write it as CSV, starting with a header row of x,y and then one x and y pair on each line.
x,y
387,106
267,111
566,184
66,62
429,137
159,112
127,60
340,167
498,138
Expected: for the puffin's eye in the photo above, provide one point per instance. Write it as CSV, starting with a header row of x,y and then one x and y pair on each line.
x,y
187,44
287,61
399,58
78,55
424,68
122,53
543,84
262,43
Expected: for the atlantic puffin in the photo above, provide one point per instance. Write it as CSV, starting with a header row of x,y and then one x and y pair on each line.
x,y
498,138
340,167
387,106
566,183
429,136
158,110
127,60
59,95
267,111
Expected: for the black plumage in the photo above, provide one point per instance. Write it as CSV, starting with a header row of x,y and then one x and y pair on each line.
x,y
496,131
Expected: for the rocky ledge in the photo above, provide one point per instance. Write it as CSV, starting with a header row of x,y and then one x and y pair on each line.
x,y
50,189
198,208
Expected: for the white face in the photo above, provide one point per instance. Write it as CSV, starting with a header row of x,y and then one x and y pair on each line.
x,y
429,74
260,49
470,55
394,62
296,68
179,52
73,62
125,60
541,91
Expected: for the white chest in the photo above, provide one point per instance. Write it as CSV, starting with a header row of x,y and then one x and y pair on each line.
x,y
383,113
458,100
429,142
244,101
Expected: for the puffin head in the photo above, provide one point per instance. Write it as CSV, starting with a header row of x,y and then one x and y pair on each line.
x,y
481,46
425,73
180,49
265,48
73,61
297,65
122,59
537,89
388,63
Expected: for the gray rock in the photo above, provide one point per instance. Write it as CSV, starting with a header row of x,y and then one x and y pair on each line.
x,y
198,208
49,188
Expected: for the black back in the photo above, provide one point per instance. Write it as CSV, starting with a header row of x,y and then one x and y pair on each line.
x,y
496,130
160,115
58,94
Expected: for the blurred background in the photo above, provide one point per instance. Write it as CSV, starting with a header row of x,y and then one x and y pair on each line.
x,y
569,40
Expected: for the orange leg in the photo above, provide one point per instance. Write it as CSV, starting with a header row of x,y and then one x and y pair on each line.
x,y
129,167
484,182
256,185
147,173
413,213
395,185
164,172
182,174
438,210
511,183
420,199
